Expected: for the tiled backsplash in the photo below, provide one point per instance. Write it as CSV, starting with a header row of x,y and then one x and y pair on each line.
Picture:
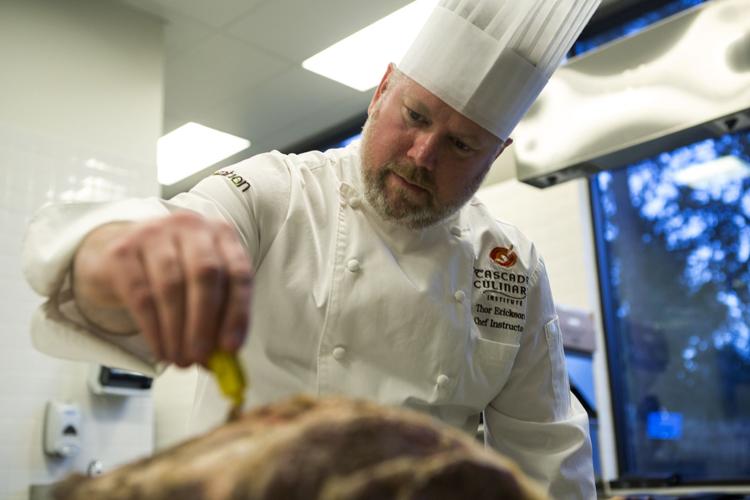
x,y
36,170
81,102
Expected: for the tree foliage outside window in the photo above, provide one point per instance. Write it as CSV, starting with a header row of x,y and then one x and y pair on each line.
x,y
674,249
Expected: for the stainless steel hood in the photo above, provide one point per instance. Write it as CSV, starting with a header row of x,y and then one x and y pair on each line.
x,y
683,79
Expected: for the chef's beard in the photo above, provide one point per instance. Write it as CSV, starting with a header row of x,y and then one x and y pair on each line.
x,y
401,207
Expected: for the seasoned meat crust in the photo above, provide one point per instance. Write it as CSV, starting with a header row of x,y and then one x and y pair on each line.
x,y
324,449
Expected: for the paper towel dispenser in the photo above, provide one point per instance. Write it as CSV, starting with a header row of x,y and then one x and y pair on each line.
x,y
678,81
105,380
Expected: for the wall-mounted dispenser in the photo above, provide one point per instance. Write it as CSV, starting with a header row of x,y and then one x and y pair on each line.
x,y
62,429
115,381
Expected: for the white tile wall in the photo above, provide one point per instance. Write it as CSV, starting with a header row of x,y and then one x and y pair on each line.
x,y
36,169
80,112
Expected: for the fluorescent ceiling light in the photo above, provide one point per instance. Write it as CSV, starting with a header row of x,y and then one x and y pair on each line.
x,y
359,60
713,173
191,148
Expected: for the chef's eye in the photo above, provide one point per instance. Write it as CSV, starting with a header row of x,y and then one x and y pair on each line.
x,y
414,116
461,146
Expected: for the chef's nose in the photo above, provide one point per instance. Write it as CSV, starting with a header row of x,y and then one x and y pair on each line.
x,y
424,150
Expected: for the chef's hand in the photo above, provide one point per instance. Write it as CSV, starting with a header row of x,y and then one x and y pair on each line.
x,y
183,281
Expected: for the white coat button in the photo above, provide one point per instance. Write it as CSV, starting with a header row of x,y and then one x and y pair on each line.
x,y
339,353
459,296
443,381
353,265
456,231
355,202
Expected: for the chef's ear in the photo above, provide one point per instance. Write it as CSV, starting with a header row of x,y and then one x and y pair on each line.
x,y
502,147
380,91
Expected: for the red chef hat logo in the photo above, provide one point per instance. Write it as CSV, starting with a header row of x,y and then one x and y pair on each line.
x,y
505,257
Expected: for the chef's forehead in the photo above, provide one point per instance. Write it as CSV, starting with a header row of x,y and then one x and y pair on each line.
x,y
427,101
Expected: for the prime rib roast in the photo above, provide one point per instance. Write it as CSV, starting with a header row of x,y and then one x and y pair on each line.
x,y
316,449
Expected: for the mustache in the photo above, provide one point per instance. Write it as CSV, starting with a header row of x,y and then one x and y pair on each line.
x,y
413,174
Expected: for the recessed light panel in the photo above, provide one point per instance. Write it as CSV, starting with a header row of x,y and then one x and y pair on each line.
x,y
191,148
360,60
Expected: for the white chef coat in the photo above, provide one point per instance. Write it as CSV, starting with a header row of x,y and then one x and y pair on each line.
x,y
347,303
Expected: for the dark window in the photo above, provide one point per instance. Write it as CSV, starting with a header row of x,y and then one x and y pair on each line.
x,y
673,247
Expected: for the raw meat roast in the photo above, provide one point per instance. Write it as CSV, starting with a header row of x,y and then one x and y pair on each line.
x,y
324,449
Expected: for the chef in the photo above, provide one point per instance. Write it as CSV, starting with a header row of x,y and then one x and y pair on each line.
x,y
368,271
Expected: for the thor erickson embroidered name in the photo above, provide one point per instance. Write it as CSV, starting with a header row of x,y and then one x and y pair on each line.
x,y
237,180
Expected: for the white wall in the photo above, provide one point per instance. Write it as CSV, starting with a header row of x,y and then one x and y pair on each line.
x,y
80,112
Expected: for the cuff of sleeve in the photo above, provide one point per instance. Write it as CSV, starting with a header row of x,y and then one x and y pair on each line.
x,y
48,250
557,454
54,334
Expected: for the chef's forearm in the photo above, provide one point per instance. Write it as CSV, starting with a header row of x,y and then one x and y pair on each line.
x,y
95,297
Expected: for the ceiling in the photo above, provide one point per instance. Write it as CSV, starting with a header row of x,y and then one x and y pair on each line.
x,y
235,65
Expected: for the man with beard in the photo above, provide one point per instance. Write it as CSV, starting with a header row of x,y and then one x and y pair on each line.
x,y
374,273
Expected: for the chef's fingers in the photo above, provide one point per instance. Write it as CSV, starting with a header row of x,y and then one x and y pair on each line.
x,y
163,265
132,286
205,274
236,312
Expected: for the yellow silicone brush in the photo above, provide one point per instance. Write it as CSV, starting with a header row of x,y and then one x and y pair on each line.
x,y
231,378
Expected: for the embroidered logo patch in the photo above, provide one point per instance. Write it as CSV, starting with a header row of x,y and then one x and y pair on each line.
x,y
504,257
499,299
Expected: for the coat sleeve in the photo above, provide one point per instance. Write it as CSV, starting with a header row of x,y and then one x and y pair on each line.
x,y
252,195
535,419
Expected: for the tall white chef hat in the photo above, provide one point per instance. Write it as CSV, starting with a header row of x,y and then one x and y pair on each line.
x,y
490,59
